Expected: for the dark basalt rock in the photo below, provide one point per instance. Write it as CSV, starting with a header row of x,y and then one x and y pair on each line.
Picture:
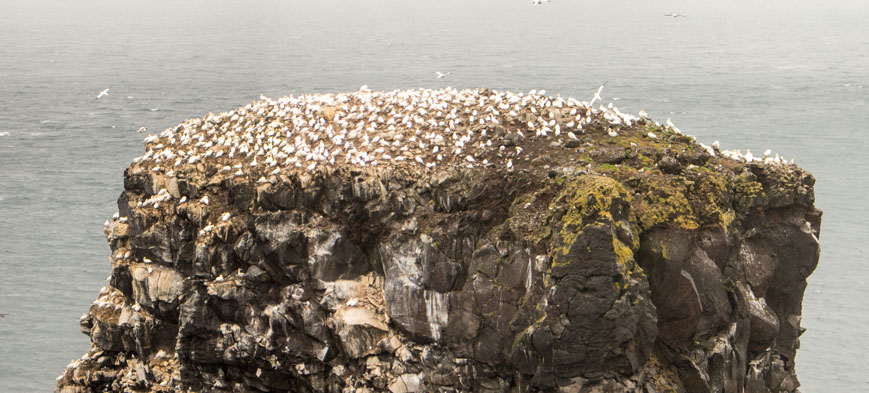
x,y
582,276
670,165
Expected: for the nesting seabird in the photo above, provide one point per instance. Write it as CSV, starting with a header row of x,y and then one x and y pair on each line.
x,y
424,128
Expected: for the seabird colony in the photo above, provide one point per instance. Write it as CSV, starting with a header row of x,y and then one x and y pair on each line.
x,y
425,128
428,129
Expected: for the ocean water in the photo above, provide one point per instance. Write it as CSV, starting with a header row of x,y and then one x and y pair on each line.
x,y
792,76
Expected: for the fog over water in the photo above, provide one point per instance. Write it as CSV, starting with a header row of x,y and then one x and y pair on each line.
x,y
792,76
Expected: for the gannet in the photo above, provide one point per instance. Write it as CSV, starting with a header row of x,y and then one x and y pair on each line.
x,y
441,75
597,94
676,15
673,126
142,129
103,93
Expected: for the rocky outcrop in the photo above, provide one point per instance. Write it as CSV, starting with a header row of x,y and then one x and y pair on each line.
x,y
580,262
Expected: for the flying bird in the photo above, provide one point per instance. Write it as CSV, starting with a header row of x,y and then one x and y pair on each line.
x,y
676,15
442,75
597,94
103,93
538,2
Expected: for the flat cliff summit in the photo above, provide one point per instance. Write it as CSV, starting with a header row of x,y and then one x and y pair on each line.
x,y
449,241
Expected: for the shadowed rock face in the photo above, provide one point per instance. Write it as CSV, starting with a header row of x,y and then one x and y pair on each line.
x,y
571,274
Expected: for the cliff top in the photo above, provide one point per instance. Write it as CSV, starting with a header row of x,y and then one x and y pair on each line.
x,y
428,134
427,130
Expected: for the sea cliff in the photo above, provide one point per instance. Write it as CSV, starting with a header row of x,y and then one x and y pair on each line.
x,y
444,240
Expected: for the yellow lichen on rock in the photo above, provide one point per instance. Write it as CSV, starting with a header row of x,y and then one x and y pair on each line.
x,y
664,204
588,199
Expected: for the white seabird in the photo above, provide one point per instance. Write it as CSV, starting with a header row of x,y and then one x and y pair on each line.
x,y
676,15
442,75
103,93
597,95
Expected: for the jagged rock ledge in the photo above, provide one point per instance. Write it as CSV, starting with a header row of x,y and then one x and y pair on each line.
x,y
443,240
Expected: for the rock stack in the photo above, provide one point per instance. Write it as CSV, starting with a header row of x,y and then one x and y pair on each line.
x,y
448,241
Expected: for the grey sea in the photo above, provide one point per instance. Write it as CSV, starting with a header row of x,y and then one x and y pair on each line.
x,y
791,76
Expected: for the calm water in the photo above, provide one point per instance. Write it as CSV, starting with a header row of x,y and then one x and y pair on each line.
x,y
786,76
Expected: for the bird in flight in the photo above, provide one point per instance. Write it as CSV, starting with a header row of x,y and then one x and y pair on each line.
x,y
103,93
442,75
676,15
539,2
597,94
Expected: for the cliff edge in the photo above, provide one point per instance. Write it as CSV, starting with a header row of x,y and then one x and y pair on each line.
x,y
450,241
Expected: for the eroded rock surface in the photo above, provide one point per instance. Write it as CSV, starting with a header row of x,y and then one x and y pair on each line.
x,y
582,263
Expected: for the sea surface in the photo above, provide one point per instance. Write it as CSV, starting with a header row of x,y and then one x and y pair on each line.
x,y
791,76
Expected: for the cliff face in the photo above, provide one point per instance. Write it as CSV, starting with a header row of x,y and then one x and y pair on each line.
x,y
524,243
